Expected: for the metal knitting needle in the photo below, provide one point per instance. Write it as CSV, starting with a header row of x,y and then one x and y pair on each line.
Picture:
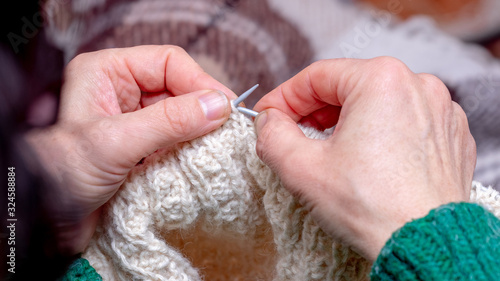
x,y
243,97
247,111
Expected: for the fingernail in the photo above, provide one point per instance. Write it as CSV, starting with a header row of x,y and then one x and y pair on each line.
x,y
214,105
260,121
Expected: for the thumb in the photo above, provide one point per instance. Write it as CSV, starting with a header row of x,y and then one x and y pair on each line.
x,y
280,141
165,123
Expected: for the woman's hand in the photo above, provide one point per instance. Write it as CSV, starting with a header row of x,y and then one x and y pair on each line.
x,y
118,106
401,146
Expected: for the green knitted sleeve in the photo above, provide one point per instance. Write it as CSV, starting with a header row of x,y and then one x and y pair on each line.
x,y
81,270
457,241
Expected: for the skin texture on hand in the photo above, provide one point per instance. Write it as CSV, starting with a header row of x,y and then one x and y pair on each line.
x,y
117,107
400,147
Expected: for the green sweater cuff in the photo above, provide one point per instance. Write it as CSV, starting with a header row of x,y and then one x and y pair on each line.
x,y
457,241
81,270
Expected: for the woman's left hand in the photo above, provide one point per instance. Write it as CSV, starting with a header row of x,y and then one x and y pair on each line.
x,y
117,107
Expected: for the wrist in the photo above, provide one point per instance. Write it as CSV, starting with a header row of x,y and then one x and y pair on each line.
x,y
375,237
63,215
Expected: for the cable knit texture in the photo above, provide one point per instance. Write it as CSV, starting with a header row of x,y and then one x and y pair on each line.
x,y
210,209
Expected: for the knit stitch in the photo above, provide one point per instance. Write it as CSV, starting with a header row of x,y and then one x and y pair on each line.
x,y
210,209
457,241
80,270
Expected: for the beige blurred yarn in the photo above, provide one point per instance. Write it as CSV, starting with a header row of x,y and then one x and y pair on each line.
x,y
209,209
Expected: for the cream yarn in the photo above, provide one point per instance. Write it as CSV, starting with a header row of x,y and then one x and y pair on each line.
x,y
210,209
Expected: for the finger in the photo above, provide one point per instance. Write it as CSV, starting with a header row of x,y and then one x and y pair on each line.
x,y
148,99
336,82
160,68
313,88
164,124
322,118
115,78
279,139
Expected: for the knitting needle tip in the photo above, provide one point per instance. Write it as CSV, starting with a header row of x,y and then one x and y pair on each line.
x,y
247,111
244,95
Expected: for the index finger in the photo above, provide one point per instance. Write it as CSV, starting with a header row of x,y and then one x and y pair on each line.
x,y
115,79
322,84
160,68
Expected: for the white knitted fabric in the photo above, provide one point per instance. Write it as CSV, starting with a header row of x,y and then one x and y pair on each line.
x,y
210,209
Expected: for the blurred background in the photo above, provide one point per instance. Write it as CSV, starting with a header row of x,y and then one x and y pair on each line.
x,y
40,37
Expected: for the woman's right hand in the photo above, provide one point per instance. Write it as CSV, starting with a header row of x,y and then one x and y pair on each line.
x,y
401,146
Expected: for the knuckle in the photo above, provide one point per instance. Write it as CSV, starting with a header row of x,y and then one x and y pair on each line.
x,y
389,66
460,114
390,73
89,60
435,88
176,50
432,82
77,61
463,127
177,119
472,147
320,64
